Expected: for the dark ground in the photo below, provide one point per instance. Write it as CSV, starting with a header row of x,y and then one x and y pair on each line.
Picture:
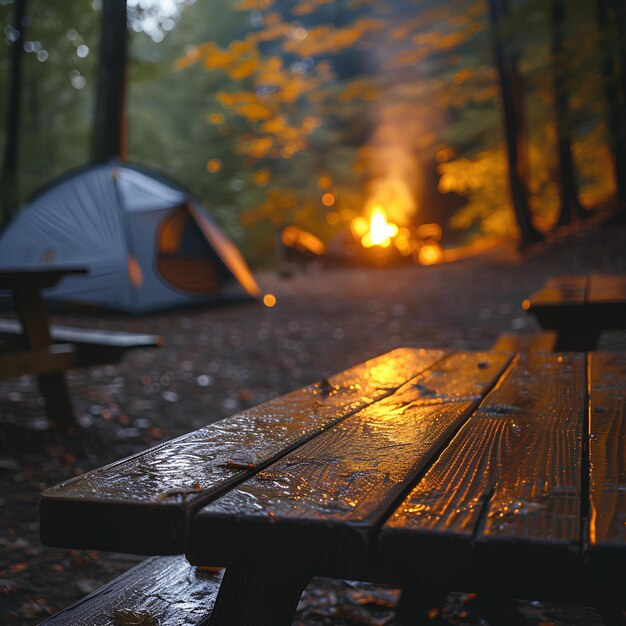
x,y
220,360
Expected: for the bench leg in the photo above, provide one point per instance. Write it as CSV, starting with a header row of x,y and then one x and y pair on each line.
x,y
421,604
31,310
254,595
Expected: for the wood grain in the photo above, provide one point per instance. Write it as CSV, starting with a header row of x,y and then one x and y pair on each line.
x,y
150,495
161,591
327,497
510,479
607,445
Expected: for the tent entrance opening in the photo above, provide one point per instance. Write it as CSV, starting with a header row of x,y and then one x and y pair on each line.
x,y
184,259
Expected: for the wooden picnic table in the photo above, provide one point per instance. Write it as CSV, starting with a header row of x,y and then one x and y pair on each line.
x,y
26,285
496,473
579,308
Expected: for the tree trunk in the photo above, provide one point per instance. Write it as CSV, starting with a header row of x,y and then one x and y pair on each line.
x,y
109,130
512,103
609,12
9,177
570,208
619,13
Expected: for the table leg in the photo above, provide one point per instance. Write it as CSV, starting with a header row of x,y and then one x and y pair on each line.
x,y
259,595
31,310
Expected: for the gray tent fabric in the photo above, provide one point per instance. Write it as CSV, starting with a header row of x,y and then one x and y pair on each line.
x,y
147,243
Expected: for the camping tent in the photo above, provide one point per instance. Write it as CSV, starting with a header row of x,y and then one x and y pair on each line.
x,y
148,244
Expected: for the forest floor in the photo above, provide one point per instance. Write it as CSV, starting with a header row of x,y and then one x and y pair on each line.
x,y
220,360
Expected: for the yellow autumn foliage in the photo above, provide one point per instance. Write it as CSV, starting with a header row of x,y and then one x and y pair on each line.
x,y
257,147
242,70
326,39
483,180
253,111
308,6
245,103
272,32
294,87
275,125
192,56
309,124
594,162
271,71
462,76
253,5
262,177
408,57
278,202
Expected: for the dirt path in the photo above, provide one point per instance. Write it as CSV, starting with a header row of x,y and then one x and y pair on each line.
x,y
220,360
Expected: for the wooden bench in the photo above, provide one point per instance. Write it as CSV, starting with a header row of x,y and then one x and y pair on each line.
x,y
58,349
89,346
579,308
501,474
26,285
161,591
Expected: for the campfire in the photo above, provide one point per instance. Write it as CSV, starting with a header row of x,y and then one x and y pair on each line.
x,y
378,231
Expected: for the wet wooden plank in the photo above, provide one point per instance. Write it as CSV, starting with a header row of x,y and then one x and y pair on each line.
x,y
326,498
509,481
150,495
537,496
163,591
607,446
606,288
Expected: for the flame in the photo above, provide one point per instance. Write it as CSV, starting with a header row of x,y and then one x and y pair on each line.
x,y
378,231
